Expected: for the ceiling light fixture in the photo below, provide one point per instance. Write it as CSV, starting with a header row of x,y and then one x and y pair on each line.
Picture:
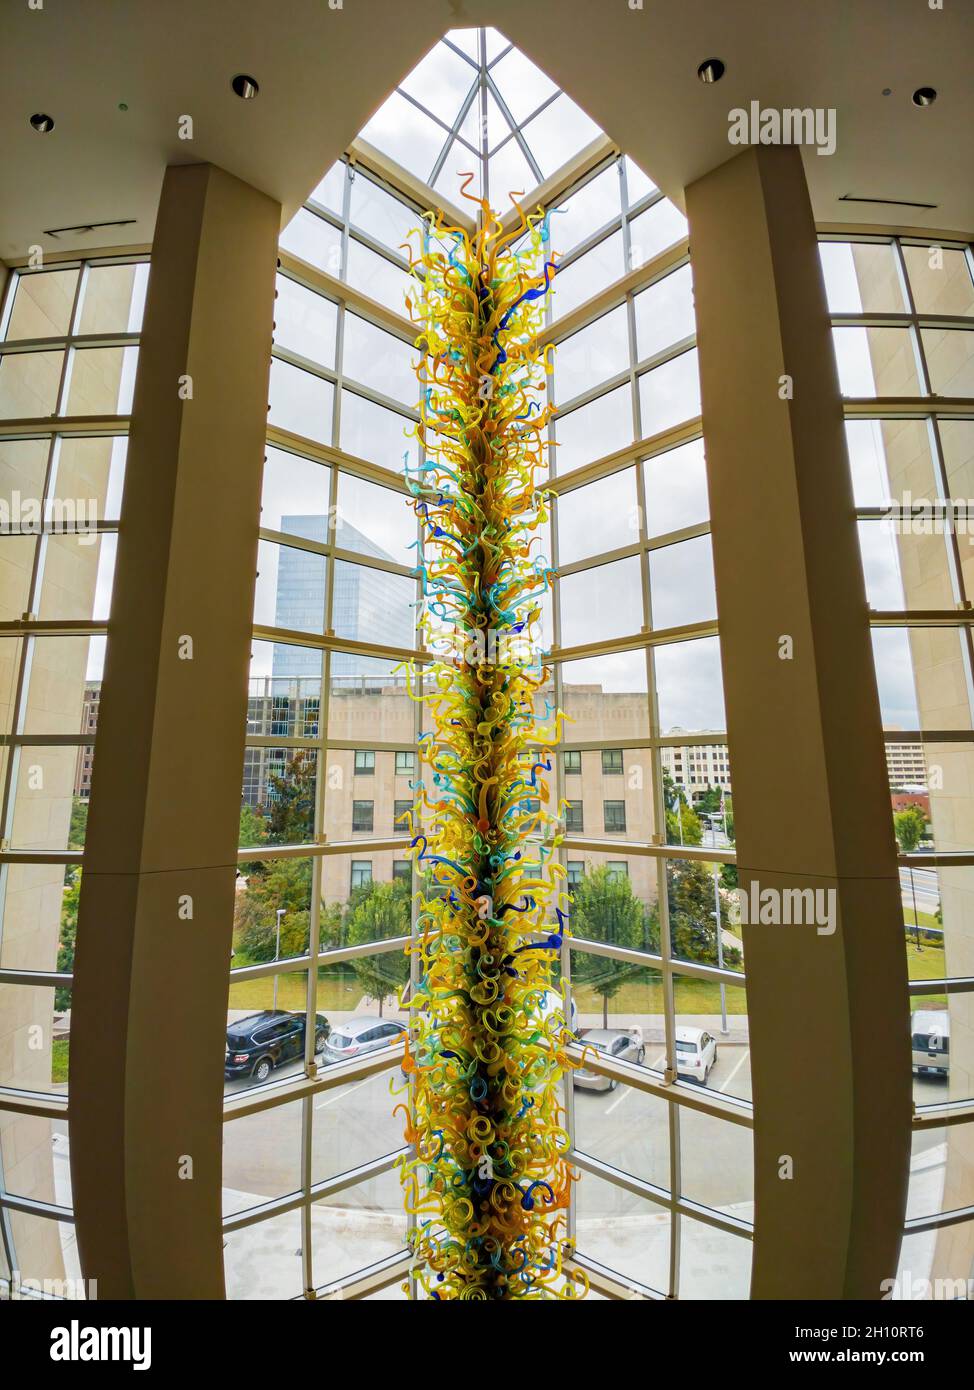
x,y
924,96
42,123
710,70
245,87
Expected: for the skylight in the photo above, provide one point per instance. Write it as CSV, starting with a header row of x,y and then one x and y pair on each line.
x,y
476,104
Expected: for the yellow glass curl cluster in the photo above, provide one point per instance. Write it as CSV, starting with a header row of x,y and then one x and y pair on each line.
x,y
489,1181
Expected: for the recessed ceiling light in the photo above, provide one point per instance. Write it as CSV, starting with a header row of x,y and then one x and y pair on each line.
x,y
245,87
42,123
924,96
710,70
887,91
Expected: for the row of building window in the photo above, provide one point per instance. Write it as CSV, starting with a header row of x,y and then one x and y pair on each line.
x,y
365,763
613,815
402,869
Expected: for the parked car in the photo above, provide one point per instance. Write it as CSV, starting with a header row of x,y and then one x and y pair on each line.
x,y
259,1043
931,1041
696,1054
625,1044
364,1033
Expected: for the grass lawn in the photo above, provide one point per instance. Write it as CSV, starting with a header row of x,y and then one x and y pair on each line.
x,y
59,1059
338,990
646,997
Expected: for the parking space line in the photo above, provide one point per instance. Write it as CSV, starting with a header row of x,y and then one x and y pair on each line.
x,y
342,1093
747,1053
618,1100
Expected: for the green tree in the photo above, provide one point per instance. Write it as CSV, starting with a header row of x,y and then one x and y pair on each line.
x,y
68,933
683,825
690,894
281,883
604,908
79,823
376,912
910,826
253,828
290,813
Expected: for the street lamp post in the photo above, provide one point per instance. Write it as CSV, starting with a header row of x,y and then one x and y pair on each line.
x,y
277,948
720,934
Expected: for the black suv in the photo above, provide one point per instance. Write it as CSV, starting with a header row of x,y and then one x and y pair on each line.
x,y
259,1043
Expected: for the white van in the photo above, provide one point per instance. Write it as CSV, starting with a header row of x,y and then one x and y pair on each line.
x,y
931,1041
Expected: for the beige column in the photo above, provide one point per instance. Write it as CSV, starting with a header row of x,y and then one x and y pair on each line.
x,y
828,1013
154,933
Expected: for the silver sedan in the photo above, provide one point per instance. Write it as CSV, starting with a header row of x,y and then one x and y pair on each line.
x,y
624,1044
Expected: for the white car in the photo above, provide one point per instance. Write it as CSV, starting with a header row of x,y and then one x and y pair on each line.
x,y
696,1054
931,1041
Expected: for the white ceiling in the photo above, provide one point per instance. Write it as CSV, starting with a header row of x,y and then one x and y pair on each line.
x,y
323,71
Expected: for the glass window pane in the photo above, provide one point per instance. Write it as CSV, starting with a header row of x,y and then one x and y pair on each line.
x,y
375,520
357,1227
601,603
300,401
681,583
940,280
368,700
89,478
950,361
372,432
40,913
261,1154
638,184
16,569
102,381
290,589
653,231
57,685
594,431
45,778
876,361
23,464
713,1263
305,322
522,84
624,1232
400,130
264,1260
669,394
689,687
440,81
606,697
622,1126
890,460
584,278
601,516
380,214
379,278
78,572
717,1163
295,495
372,605
379,360
664,313
114,299
581,215
922,674
29,383
284,700
42,304
314,240
561,130
36,1038
275,886
330,191
592,355
676,489
861,277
